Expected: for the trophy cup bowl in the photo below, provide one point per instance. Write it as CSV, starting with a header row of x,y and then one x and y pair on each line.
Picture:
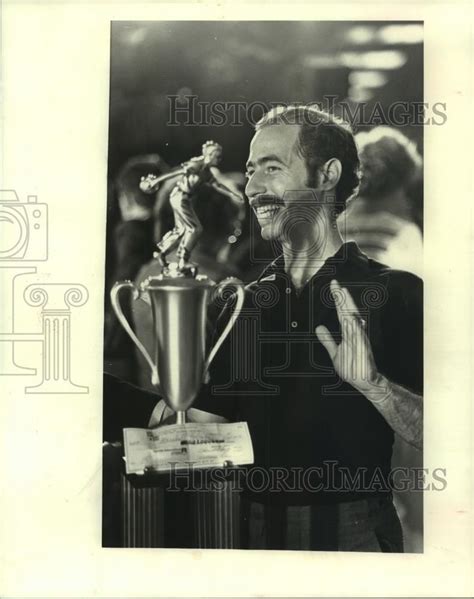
x,y
179,365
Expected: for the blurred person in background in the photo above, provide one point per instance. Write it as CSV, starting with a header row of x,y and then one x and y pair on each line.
x,y
385,218
130,245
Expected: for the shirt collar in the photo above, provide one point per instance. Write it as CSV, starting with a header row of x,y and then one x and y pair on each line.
x,y
347,259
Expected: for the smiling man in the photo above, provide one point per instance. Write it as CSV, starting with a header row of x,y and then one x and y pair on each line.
x,y
302,167
325,361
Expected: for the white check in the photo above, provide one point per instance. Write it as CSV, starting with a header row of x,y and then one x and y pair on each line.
x,y
184,446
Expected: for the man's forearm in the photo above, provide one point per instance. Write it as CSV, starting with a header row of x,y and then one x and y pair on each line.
x,y
401,408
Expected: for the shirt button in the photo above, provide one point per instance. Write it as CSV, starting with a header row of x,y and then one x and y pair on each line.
x,y
294,324
288,290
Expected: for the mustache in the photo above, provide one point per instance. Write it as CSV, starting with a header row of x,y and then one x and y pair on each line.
x,y
265,200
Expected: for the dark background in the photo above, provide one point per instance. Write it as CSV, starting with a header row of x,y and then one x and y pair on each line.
x,y
249,62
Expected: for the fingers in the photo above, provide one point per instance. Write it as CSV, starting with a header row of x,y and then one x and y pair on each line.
x,y
352,324
349,302
326,339
347,307
336,291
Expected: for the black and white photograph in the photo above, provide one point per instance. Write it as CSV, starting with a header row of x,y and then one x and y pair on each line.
x,y
236,299
263,352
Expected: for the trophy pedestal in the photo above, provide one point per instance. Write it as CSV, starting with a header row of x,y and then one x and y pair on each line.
x,y
205,518
164,510
153,515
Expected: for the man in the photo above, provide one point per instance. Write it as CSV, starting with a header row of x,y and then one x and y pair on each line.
x,y
325,361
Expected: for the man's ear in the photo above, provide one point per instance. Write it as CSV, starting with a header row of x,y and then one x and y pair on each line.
x,y
329,174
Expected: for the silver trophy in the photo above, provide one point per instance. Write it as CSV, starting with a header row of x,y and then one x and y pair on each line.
x,y
179,296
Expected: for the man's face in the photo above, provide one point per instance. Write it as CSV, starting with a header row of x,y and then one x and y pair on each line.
x,y
277,178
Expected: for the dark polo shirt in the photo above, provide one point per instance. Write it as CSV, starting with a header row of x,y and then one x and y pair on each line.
x,y
273,373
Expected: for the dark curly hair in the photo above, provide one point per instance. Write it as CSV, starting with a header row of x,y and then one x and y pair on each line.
x,y
322,136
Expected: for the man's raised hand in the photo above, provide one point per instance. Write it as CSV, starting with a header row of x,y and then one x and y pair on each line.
x,y
352,358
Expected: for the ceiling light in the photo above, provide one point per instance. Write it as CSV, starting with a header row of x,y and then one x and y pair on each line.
x,y
383,59
401,34
360,35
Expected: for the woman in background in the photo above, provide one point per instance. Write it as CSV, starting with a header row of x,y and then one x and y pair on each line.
x,y
385,218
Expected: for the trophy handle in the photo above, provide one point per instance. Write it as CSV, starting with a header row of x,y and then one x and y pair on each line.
x,y
114,296
235,314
